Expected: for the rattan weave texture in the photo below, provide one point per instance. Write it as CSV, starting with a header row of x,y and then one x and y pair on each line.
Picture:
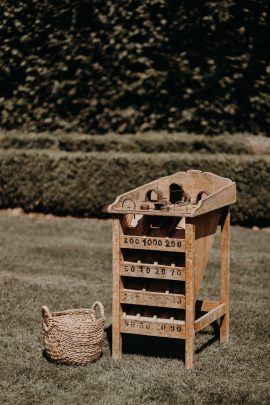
x,y
73,336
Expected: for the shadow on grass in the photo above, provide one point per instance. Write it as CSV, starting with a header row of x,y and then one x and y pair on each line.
x,y
150,346
60,363
46,357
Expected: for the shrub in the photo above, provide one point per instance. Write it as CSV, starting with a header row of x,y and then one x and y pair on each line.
x,y
147,143
84,184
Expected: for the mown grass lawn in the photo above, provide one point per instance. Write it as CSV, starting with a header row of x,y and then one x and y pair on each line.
x,y
66,264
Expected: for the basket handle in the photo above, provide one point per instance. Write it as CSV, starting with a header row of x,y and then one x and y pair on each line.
x,y
46,316
101,308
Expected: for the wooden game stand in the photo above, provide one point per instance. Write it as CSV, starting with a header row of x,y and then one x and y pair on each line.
x,y
159,259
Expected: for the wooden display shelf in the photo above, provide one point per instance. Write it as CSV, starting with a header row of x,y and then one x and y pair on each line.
x,y
164,231
154,299
158,271
151,243
141,325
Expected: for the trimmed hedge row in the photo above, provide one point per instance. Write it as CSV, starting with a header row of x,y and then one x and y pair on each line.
x,y
84,184
135,65
147,143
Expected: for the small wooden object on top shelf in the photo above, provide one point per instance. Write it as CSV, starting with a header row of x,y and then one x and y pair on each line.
x,y
162,235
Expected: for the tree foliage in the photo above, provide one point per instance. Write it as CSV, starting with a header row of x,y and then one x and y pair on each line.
x,y
131,65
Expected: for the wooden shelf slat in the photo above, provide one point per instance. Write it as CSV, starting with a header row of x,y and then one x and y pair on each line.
x,y
152,243
154,299
153,327
210,317
179,212
144,270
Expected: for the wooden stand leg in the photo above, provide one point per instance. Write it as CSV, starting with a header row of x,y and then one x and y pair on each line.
x,y
116,306
190,300
225,274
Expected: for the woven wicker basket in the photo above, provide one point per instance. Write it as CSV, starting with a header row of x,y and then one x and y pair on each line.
x,y
74,336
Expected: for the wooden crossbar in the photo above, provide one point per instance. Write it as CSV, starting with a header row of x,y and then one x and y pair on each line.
x,y
210,317
205,305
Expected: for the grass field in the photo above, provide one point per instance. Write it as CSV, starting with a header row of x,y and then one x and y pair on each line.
x,y
66,264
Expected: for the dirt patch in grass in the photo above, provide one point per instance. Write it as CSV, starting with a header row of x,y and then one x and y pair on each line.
x,y
66,264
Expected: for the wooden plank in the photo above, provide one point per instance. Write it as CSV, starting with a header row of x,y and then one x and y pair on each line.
x,y
149,327
154,299
190,297
205,231
225,274
210,317
131,269
218,199
117,284
180,211
205,305
148,243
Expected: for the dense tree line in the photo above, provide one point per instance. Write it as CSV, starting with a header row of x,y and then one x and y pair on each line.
x,y
135,65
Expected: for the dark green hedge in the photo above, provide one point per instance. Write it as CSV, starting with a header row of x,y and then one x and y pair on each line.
x,y
135,65
146,143
84,184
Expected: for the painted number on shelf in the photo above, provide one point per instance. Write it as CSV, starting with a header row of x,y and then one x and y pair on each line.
x,y
153,242
153,326
159,271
